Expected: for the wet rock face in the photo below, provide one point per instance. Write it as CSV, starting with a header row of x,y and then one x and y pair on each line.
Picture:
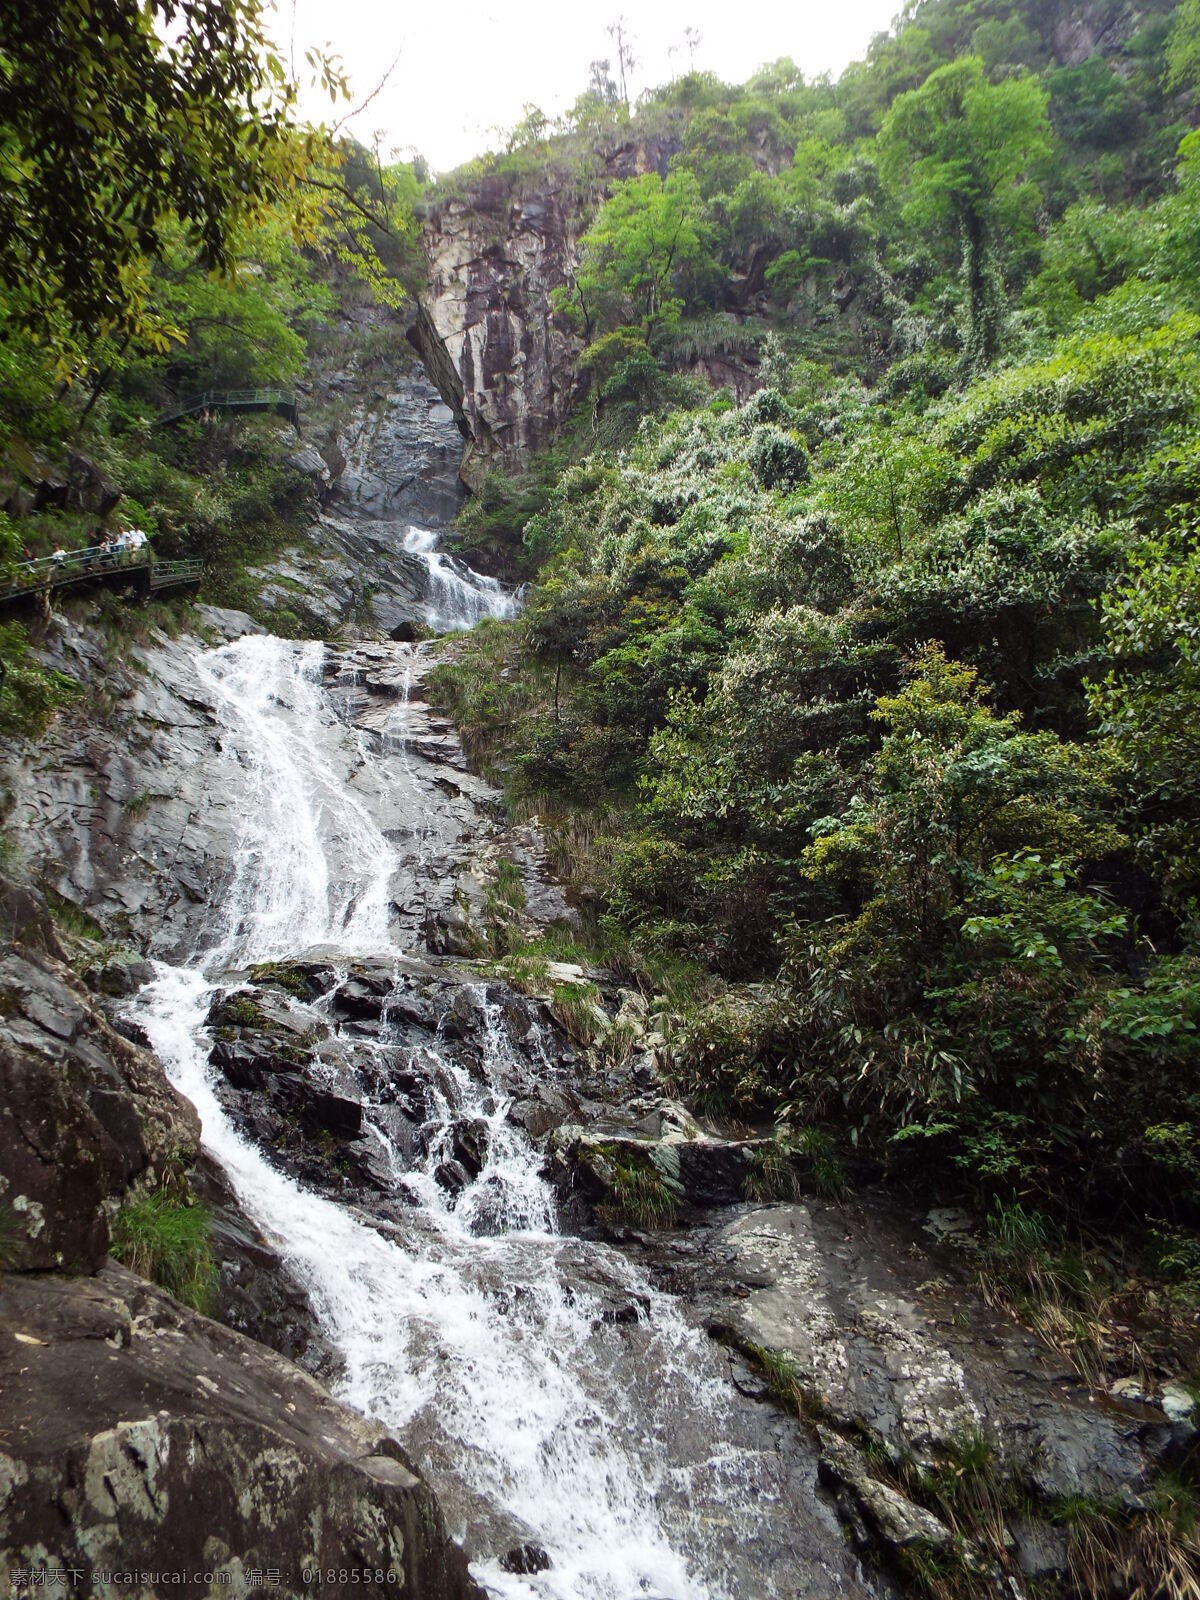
x,y
399,455
86,1115
343,1081
279,1063
256,1292
446,862
136,1433
130,817
895,1352
871,1330
119,815
393,464
502,358
83,1115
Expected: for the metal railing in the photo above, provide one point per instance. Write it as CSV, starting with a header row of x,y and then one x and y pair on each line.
x,y
163,574
283,400
98,561
66,564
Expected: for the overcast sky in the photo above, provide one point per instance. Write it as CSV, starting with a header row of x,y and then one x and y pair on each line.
x,y
467,67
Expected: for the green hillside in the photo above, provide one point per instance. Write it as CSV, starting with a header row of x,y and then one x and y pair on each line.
x,y
868,706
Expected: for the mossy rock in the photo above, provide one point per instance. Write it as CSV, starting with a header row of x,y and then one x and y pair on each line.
x,y
300,982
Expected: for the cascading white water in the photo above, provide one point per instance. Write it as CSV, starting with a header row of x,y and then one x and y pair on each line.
x,y
312,865
508,1195
458,597
471,1328
420,1330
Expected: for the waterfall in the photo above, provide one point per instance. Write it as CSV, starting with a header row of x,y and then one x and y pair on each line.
x,y
312,866
458,597
474,1330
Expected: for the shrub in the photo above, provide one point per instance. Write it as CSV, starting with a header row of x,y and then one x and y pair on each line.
x,y
771,1175
779,460
641,1198
31,693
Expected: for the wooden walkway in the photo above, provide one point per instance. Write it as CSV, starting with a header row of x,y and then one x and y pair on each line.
x,y
75,568
281,401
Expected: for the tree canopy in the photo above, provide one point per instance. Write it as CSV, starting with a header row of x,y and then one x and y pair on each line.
x,y
121,123
637,253
960,152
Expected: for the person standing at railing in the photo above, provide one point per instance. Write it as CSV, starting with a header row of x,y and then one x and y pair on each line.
x,y
129,543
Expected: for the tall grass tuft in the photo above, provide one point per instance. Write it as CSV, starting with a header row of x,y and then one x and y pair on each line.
x,y
162,1237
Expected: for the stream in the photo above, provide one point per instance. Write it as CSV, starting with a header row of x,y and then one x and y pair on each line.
x,y
610,1443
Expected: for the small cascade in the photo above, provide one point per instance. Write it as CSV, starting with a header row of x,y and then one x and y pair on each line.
x,y
458,596
396,734
312,866
507,1195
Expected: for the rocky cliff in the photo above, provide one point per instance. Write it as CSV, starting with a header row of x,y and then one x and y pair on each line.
x,y
141,1440
136,1434
145,1447
502,358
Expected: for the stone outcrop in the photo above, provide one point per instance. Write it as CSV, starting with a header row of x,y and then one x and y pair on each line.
x,y
138,1436
503,360
903,1367
501,356
84,1114
694,1168
116,812
878,1331
389,463
398,456
883,1512
125,816
338,1077
1075,33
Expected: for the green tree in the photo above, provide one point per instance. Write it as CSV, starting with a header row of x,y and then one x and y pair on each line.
x,y
886,481
1183,47
965,935
121,121
1148,707
243,330
959,152
632,258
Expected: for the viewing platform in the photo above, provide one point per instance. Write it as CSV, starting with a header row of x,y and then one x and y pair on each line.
x,y
98,564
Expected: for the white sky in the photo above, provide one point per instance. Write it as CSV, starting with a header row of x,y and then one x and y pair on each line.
x,y
467,67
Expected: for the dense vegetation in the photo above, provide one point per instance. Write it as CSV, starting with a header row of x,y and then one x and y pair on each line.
x,y
869,705
859,679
